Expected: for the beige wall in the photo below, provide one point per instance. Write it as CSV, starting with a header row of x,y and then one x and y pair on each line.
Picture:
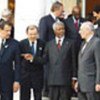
x,y
68,5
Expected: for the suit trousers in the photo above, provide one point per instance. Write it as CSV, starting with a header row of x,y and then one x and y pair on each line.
x,y
59,93
25,92
6,88
89,96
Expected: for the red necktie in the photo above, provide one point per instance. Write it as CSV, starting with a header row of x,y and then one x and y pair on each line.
x,y
76,25
59,44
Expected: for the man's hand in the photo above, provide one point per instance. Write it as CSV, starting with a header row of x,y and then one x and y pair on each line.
x,y
76,87
73,83
27,56
16,86
97,88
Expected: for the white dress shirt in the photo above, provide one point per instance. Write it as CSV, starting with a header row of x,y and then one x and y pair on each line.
x,y
61,40
1,42
54,17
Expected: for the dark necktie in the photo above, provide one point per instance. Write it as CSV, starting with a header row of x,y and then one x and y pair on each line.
x,y
59,44
32,48
76,25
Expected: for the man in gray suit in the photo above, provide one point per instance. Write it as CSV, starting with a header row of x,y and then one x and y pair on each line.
x,y
60,55
89,65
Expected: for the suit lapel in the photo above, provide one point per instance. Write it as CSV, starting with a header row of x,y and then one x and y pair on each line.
x,y
28,47
87,46
5,47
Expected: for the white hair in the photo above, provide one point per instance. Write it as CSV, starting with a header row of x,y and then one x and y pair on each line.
x,y
56,24
88,25
6,12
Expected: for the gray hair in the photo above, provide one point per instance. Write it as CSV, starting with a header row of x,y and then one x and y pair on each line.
x,y
88,25
56,24
6,12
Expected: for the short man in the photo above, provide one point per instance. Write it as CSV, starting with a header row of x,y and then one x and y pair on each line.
x,y
60,57
32,64
9,63
89,64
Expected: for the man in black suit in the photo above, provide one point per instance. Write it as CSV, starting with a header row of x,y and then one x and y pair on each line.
x,y
60,56
7,16
32,64
9,63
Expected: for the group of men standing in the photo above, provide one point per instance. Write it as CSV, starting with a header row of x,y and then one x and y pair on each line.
x,y
69,62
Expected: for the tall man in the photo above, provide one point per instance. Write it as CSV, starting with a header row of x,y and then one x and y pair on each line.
x,y
46,22
32,64
9,63
89,64
47,33
59,53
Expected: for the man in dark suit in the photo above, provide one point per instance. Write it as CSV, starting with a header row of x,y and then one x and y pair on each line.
x,y
46,22
47,33
7,16
9,63
60,55
32,64
73,23
89,64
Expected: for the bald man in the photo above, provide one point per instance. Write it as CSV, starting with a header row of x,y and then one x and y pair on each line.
x,y
89,64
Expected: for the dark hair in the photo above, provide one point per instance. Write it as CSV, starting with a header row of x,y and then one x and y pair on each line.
x,y
3,23
56,6
97,8
32,27
90,17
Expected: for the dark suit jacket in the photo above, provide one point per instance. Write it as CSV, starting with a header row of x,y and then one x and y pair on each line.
x,y
89,66
61,63
10,55
45,28
71,27
35,68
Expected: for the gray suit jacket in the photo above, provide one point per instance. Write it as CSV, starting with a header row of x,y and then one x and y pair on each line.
x,y
89,66
60,62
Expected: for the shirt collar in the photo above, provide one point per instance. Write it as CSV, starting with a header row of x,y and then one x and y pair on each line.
x,y
35,42
90,37
75,19
4,40
62,39
53,16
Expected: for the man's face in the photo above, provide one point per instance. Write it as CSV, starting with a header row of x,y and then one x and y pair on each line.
x,y
60,11
84,32
59,31
32,34
76,13
97,15
6,32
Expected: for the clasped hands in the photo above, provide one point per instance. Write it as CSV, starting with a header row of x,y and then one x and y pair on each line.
x,y
27,56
